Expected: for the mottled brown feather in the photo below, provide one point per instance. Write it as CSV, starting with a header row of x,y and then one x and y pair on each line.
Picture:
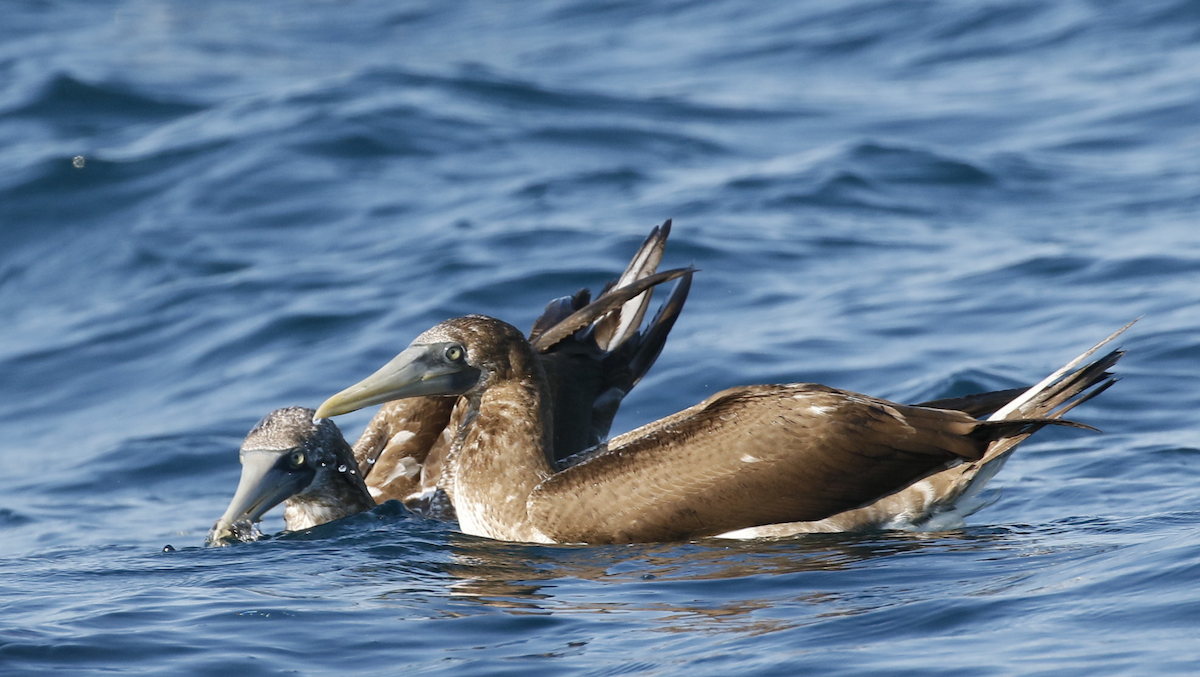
x,y
397,443
750,456
943,492
745,457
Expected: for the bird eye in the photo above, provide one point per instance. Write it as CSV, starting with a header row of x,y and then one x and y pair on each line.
x,y
296,459
454,353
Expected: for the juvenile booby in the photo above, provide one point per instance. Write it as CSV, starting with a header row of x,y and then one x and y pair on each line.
x,y
288,457
592,351
596,350
742,460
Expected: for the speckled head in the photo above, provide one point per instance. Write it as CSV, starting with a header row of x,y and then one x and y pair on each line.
x,y
281,457
290,428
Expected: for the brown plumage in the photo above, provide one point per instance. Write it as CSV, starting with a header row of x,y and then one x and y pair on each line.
x,y
596,350
402,446
952,491
744,458
593,353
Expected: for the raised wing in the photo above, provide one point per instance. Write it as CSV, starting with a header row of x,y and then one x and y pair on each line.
x,y
593,353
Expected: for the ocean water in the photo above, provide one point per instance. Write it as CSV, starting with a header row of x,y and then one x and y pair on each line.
x,y
210,210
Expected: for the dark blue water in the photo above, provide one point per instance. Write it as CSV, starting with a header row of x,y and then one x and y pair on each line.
x,y
912,200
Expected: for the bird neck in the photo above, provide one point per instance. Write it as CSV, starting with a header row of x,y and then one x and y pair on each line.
x,y
337,491
500,454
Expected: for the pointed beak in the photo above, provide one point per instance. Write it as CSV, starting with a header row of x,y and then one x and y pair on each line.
x,y
419,370
263,486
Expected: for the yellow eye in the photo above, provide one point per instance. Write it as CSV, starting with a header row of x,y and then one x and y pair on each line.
x,y
296,459
454,353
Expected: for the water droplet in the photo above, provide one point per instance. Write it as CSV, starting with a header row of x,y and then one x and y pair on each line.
x,y
78,162
168,548
372,461
342,468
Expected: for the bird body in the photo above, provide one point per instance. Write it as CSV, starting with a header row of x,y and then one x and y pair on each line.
x,y
744,460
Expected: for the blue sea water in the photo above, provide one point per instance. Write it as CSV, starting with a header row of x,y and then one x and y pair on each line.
x,y
210,210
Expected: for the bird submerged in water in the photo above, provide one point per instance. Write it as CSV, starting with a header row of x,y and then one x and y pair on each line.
x,y
290,457
768,460
595,351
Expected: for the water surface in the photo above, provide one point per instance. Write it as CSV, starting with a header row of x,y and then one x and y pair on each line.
x,y
912,200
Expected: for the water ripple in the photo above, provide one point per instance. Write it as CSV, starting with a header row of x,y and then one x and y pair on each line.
x,y
909,200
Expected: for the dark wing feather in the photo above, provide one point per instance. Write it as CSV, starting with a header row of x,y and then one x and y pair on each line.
x,y
628,363
587,383
746,457
618,327
603,305
981,404
647,348
558,310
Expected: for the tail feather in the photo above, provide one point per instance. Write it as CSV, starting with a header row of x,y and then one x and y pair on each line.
x,y
1056,399
956,490
1038,389
980,404
1056,395
1089,394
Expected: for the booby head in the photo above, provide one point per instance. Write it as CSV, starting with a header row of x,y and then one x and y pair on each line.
x,y
457,357
287,454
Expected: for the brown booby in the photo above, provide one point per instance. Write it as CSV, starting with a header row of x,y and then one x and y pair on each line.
x,y
597,351
744,460
290,457
593,354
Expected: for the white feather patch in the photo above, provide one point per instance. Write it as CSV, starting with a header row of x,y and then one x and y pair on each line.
x,y
401,437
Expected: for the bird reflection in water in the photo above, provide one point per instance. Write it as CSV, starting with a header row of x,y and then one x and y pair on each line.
x,y
485,576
